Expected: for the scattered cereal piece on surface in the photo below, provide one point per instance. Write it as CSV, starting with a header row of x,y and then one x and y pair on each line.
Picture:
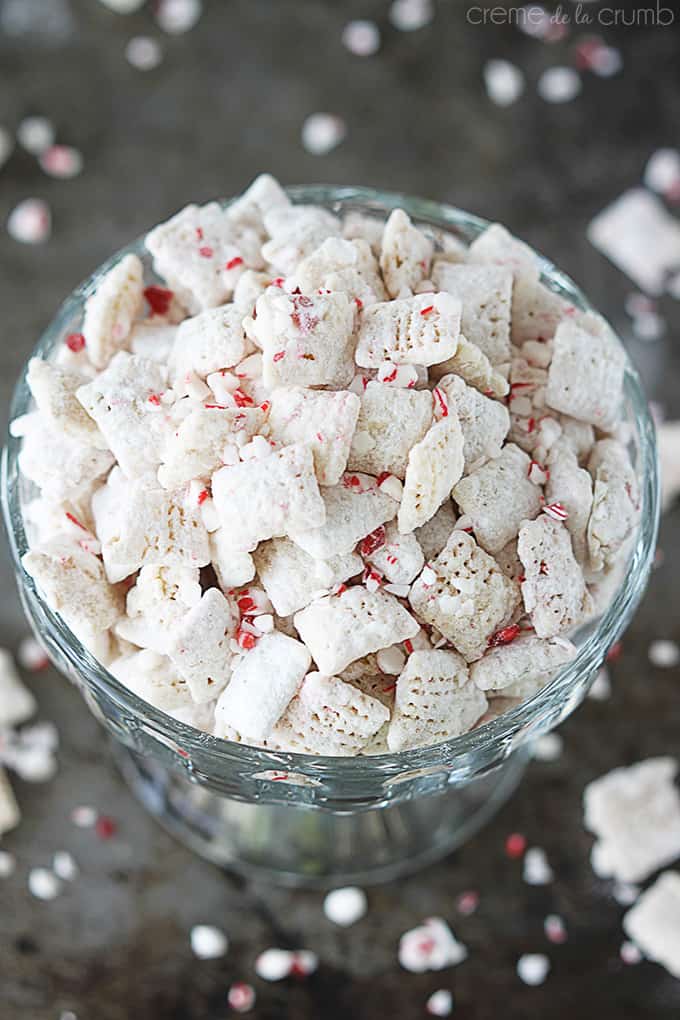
x,y
345,906
361,37
654,923
208,942
504,82
430,946
630,954
144,52
30,222
664,654
533,968
440,1003
35,134
625,893
323,132
241,997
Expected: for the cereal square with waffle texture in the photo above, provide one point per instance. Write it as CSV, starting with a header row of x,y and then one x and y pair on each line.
x,y
615,507
653,923
292,578
435,701
465,595
268,498
527,659
498,496
472,365
554,590
419,330
54,391
338,264
324,420
585,378
434,466
328,716
201,649
536,311
485,293
571,487
62,467
398,558
156,604
484,422
353,509
111,311
391,421
208,342
338,629
405,255
295,232
195,449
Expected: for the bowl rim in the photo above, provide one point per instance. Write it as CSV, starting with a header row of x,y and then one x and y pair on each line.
x,y
460,757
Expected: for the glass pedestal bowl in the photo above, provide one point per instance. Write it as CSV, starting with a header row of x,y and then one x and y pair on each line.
x,y
320,820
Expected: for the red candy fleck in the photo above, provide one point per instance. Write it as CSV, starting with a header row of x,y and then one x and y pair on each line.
x,y
264,407
279,355
556,510
241,997
614,652
206,252
202,496
158,299
468,902
515,845
154,399
74,520
199,233
382,477
278,282
351,482
531,424
408,646
426,311
75,342
105,827
242,399
440,399
505,636
359,303
391,376
233,263
246,640
374,541
246,605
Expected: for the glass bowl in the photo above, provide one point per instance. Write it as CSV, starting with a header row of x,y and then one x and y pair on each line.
x,y
306,818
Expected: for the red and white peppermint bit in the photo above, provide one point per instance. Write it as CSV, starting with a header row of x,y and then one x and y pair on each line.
x,y
372,579
372,542
32,656
276,964
35,134
556,510
441,403
143,53
245,640
440,1003
428,576
75,342
30,222
630,954
322,132
554,928
504,636
537,473
241,997
61,161
158,299
467,902
515,845
234,263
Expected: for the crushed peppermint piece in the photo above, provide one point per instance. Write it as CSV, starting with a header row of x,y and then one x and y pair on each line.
x,y
555,929
31,655
467,902
430,946
30,222
144,53
662,173
548,747
556,511
345,906
536,869
629,953
36,134
241,997
277,964
105,827
361,37
664,654
178,16
625,893
559,85
533,968
62,161
43,884
440,1003
322,132
503,81
515,845
208,942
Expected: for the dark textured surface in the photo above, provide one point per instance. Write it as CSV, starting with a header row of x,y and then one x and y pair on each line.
x,y
228,101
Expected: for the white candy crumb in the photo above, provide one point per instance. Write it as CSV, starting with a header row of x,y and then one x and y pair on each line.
x,y
606,61
64,866
664,654
649,327
31,655
43,884
61,161
241,997
123,6
662,173
536,870
322,132
144,53
601,689
630,953
362,38
30,221
410,15
504,82
548,747
208,942
7,864
178,16
559,85
391,660
533,968
625,893
345,906
274,964
554,928
35,134
84,817
440,1003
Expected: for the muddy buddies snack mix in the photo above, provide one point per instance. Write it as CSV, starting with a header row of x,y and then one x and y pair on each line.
x,y
317,487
